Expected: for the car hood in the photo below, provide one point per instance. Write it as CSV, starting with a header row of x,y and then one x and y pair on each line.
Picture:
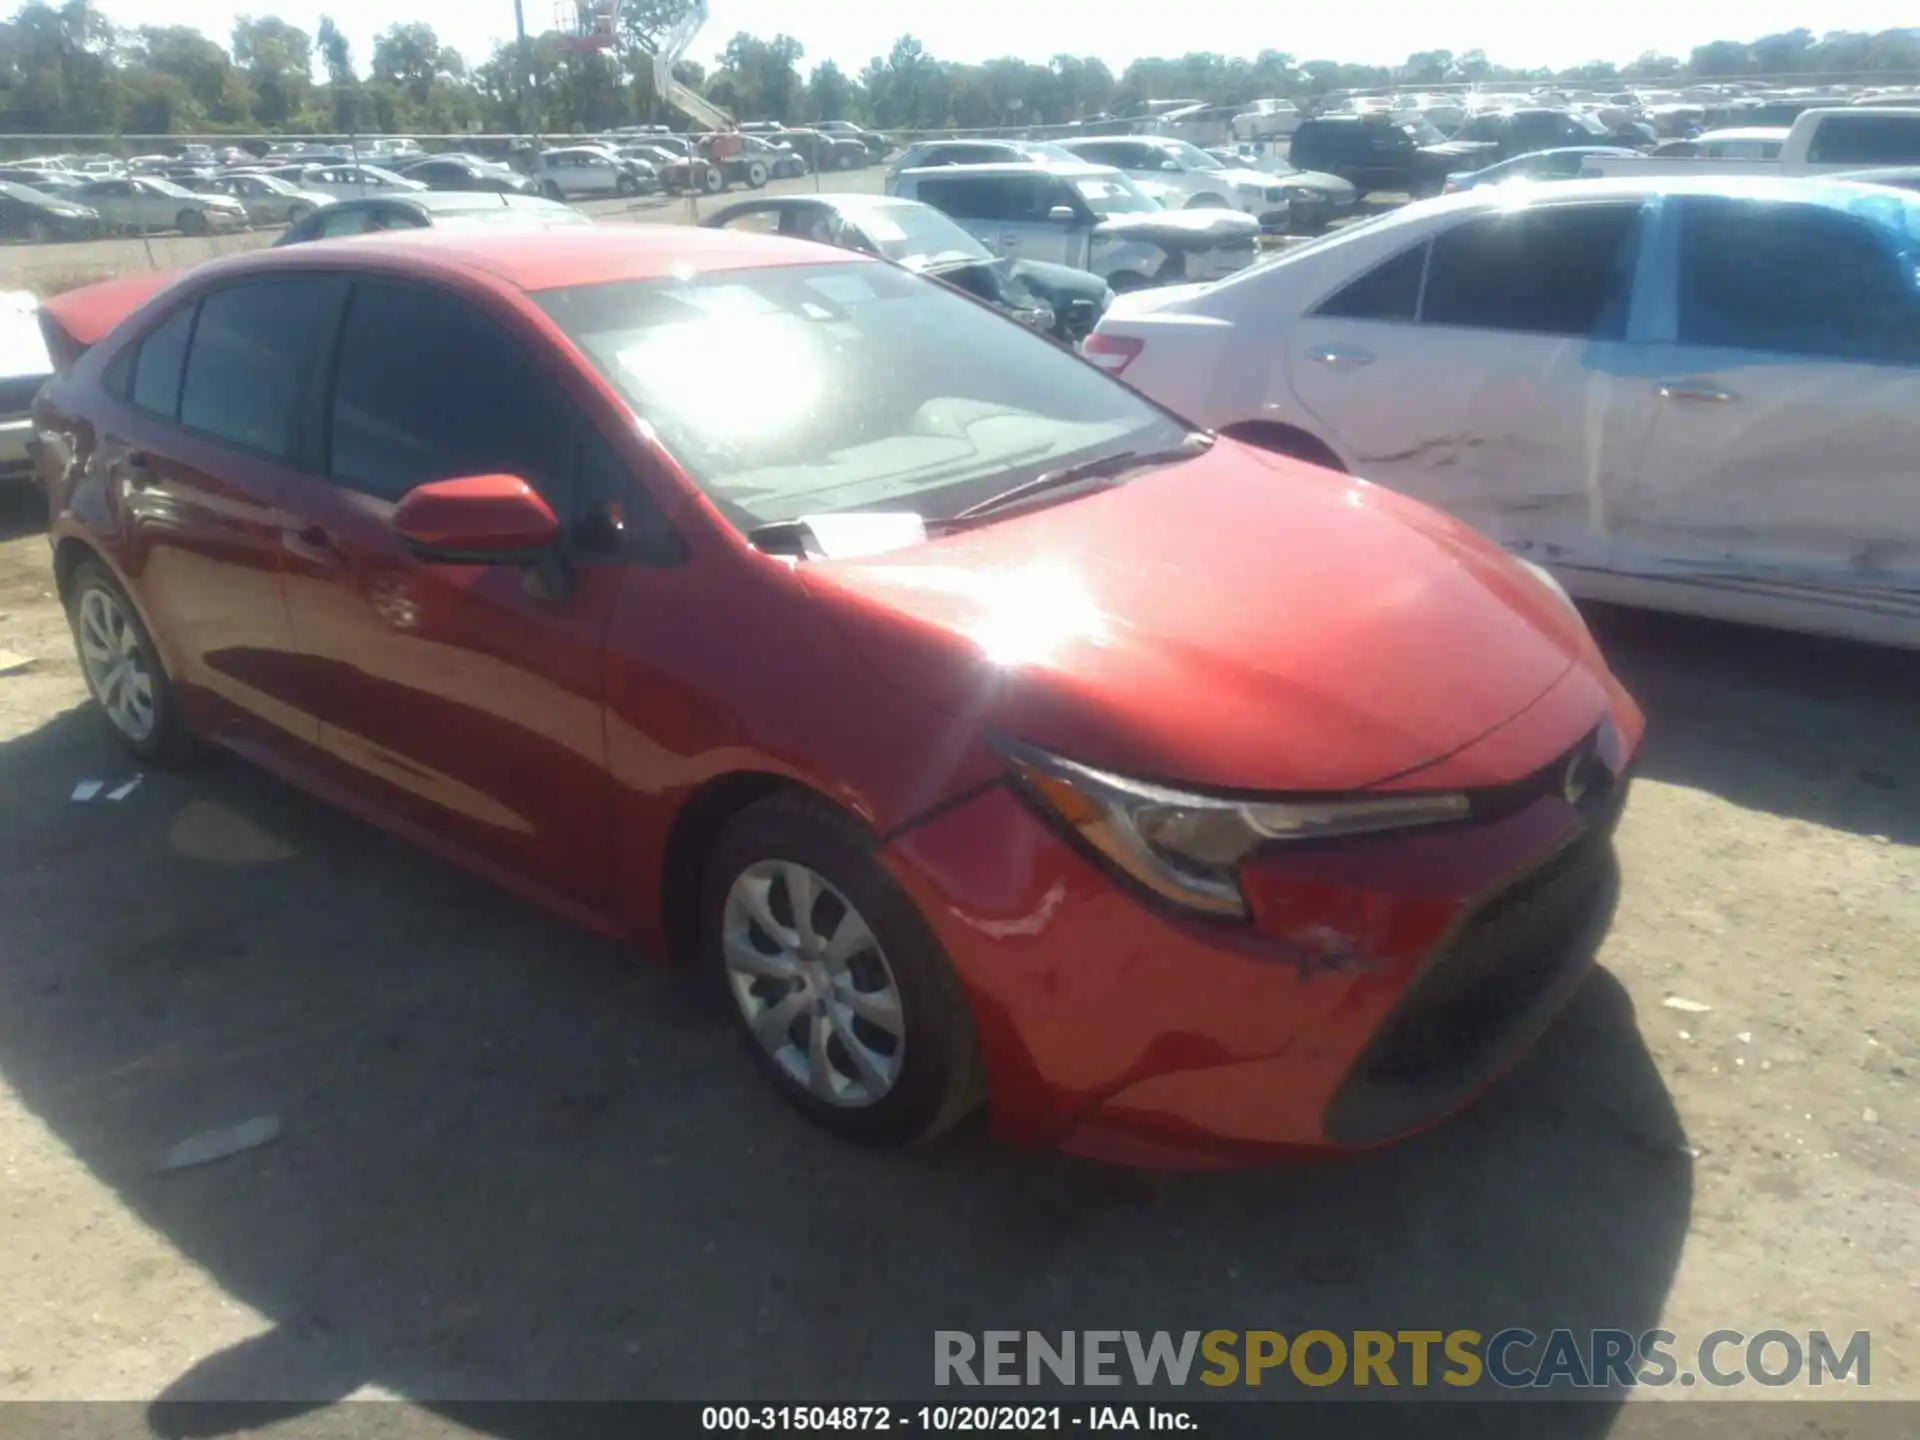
x,y
1182,229
1064,282
1235,621
1318,181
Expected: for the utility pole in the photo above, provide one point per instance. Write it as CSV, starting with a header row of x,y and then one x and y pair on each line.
x,y
529,116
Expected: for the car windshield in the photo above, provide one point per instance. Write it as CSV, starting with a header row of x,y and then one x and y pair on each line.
x,y
1114,195
1193,155
797,390
1047,150
166,187
22,192
918,236
1422,132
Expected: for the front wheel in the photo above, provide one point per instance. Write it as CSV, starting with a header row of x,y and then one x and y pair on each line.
x,y
626,185
845,999
191,222
713,180
123,667
298,212
756,175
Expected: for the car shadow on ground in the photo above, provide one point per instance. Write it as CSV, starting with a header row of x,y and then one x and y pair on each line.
x,y
516,1163
23,509
1795,725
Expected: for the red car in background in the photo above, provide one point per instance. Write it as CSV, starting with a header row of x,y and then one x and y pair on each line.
x,y
989,732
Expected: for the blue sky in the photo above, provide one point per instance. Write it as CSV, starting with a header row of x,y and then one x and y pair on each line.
x,y
1380,32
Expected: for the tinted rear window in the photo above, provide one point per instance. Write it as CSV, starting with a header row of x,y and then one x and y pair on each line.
x,y
254,348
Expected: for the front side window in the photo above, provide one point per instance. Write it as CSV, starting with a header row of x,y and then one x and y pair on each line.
x,y
873,389
426,388
1801,279
981,197
251,360
1544,270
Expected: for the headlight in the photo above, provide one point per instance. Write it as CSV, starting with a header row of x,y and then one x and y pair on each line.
x,y
1186,848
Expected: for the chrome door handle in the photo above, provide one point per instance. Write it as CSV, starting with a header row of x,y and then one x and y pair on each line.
x,y
1687,390
1339,355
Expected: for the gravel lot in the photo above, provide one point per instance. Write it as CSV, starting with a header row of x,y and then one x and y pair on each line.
x,y
517,1163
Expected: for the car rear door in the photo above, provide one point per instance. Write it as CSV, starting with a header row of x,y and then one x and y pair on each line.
x,y
1475,370
216,425
463,701
1779,401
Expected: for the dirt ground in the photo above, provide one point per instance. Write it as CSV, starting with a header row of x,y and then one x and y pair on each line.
x,y
515,1163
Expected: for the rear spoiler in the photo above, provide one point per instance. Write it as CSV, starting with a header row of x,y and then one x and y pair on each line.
x,y
73,322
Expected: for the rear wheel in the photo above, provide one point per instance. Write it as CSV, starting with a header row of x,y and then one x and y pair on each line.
x,y
756,175
123,668
713,179
191,222
844,997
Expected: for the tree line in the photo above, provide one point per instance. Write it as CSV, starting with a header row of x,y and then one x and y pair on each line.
x,y
65,69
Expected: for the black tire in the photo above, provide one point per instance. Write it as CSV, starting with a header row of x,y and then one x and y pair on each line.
x,y
552,192
756,175
298,212
941,1079
168,743
191,222
713,179
626,185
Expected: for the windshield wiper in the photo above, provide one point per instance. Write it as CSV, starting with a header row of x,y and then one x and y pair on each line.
x,y
1100,467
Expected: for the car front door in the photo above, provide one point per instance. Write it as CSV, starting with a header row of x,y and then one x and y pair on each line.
x,y
1779,401
1474,371
463,700
215,428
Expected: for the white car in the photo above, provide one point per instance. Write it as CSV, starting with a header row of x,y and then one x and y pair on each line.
x,y
1266,120
146,203
346,180
1697,394
1193,177
587,170
24,368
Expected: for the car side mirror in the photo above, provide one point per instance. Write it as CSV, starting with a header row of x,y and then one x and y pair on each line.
x,y
477,520
1062,215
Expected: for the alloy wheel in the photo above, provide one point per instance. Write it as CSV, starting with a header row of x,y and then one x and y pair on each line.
x,y
813,983
117,664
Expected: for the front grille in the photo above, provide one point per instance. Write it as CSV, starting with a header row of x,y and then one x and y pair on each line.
x,y
17,392
1509,964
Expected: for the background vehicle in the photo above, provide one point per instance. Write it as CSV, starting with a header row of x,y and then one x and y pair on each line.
x,y
1191,177
1540,165
24,368
1088,216
460,637
925,154
1674,392
442,172
344,182
877,144
267,199
588,170
1377,153
1266,120
1900,177
781,162
823,150
144,203
454,209
1314,198
1826,140
1502,135
51,183
26,214
1058,299
702,172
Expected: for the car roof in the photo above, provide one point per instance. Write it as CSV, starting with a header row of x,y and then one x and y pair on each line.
x,y
547,259
1826,190
1040,166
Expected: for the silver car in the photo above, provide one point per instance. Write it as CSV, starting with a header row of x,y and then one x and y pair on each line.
x,y
267,199
146,203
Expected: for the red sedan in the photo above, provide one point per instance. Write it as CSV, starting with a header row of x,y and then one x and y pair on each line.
x,y
989,732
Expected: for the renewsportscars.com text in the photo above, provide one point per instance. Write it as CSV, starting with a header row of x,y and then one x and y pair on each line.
x,y
1413,1359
